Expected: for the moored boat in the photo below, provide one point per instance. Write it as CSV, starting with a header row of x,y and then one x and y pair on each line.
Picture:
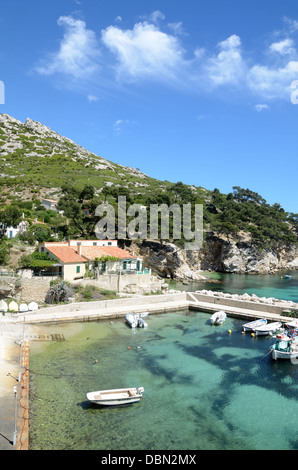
x,y
251,326
269,328
136,320
218,318
132,319
285,347
120,396
292,324
142,323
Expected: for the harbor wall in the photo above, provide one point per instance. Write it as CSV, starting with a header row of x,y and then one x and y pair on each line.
x,y
259,304
234,305
116,304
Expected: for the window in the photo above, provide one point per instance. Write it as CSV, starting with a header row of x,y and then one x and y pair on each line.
x,y
78,269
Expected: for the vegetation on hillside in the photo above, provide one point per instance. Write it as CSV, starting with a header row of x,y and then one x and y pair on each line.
x,y
36,163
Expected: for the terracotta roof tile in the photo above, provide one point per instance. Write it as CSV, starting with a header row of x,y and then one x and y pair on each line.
x,y
69,254
92,252
66,254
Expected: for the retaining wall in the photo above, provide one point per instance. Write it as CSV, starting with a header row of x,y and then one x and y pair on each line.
x,y
102,305
34,289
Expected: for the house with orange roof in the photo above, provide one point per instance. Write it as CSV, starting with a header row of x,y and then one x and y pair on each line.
x,y
50,204
75,257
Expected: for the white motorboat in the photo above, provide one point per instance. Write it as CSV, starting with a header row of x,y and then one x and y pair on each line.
x,y
142,323
292,324
218,318
251,326
268,329
120,396
136,320
132,319
285,347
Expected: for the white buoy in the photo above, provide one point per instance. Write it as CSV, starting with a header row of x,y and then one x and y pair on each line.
x,y
3,306
23,308
33,306
13,306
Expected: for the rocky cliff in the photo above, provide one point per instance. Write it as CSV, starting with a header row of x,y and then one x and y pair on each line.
x,y
225,254
220,253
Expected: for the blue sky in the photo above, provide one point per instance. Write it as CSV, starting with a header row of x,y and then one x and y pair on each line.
x,y
193,91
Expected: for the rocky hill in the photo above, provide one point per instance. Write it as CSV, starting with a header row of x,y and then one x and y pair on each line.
x,y
34,156
242,232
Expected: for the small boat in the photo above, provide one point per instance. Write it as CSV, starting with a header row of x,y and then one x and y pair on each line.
x,y
251,326
286,276
292,324
132,319
136,320
268,329
218,318
142,323
285,347
120,396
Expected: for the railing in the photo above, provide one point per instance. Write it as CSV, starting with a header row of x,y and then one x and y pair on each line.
x,y
8,274
125,271
145,271
47,274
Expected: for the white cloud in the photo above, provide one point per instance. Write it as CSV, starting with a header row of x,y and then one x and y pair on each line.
x,y
261,107
151,51
292,24
78,52
121,125
156,16
144,51
177,28
92,98
284,47
272,83
228,67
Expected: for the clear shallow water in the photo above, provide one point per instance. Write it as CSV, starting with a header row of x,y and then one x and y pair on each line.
x,y
204,388
265,285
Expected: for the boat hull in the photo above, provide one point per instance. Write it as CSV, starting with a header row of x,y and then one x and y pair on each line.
x,y
123,396
268,329
283,355
254,324
136,320
132,320
218,318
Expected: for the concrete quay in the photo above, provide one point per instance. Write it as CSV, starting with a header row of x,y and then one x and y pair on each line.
x,y
11,328
99,310
239,308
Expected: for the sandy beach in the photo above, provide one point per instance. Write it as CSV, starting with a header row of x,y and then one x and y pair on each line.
x,y
10,336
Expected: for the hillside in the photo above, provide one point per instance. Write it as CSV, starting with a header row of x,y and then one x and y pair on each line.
x,y
242,232
33,156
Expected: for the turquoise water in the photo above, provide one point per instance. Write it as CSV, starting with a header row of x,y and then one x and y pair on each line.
x,y
265,285
204,388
